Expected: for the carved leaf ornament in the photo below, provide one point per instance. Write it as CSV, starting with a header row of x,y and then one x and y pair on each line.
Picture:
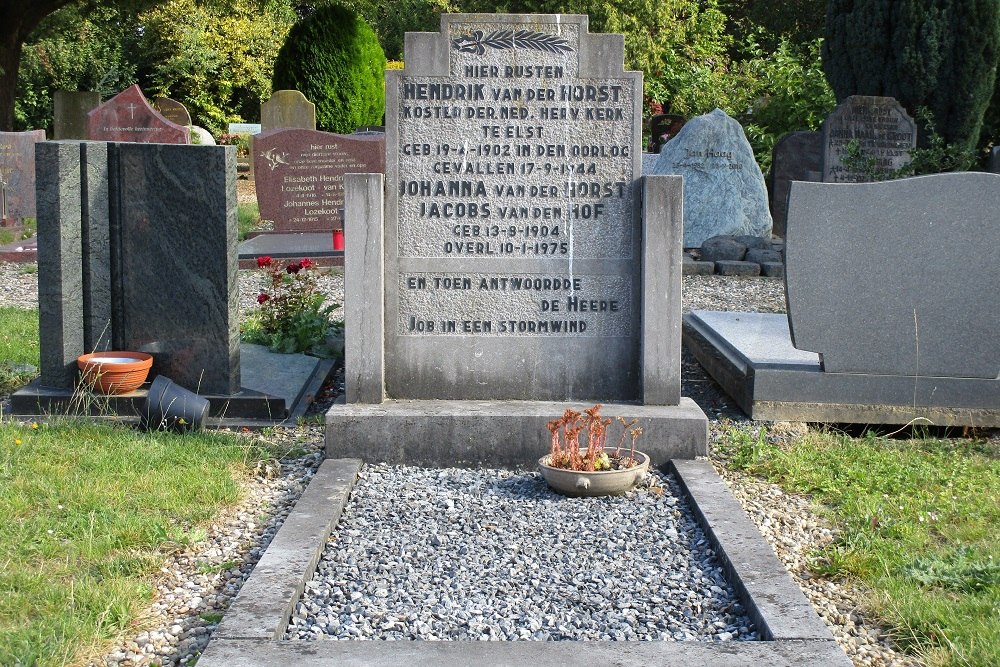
x,y
509,39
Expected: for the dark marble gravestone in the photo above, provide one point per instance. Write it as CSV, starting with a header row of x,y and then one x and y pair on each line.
x,y
156,271
137,251
798,156
129,117
513,262
299,175
17,174
892,309
172,110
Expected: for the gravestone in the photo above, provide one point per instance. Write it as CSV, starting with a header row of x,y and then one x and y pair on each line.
x,y
70,109
128,117
156,273
299,175
724,190
172,110
287,108
798,156
513,265
137,251
17,174
201,136
884,131
245,128
892,309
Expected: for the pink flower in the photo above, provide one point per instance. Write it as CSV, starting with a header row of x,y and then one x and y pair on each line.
x,y
264,261
261,298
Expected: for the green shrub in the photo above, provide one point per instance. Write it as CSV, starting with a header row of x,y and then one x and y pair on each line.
x,y
333,57
793,95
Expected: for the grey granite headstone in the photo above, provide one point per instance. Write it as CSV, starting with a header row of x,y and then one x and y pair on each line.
x,y
172,110
796,157
880,125
514,216
17,174
724,190
899,277
521,264
128,117
70,109
287,108
137,248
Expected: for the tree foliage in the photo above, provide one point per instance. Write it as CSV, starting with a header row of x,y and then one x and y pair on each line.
x,y
216,59
938,54
793,95
392,20
71,50
680,46
334,58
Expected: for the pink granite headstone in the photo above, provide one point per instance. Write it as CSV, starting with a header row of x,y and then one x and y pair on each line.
x,y
128,117
17,174
299,175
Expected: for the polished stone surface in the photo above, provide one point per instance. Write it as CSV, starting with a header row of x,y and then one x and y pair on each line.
x,y
129,117
898,277
60,276
724,190
137,248
17,174
172,110
178,258
95,196
299,175
751,356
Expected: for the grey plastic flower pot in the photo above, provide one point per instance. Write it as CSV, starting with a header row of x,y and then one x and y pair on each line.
x,y
594,482
170,407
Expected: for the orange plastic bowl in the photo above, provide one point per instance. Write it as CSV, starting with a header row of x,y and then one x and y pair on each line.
x,y
114,372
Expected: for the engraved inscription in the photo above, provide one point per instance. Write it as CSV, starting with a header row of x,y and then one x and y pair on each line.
x,y
514,304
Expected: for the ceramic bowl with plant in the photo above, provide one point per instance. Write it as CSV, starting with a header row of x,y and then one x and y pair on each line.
x,y
579,464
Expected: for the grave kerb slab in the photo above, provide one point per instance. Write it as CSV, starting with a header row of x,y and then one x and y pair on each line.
x,y
250,634
751,356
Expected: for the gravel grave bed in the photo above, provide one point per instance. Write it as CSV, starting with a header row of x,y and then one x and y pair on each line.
x,y
495,555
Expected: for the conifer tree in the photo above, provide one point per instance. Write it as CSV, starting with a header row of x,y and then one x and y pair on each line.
x,y
938,54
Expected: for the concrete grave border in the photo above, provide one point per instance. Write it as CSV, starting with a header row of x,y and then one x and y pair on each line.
x,y
251,630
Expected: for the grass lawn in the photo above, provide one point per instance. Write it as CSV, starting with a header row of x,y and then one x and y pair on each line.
x,y
86,514
248,218
918,526
18,346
